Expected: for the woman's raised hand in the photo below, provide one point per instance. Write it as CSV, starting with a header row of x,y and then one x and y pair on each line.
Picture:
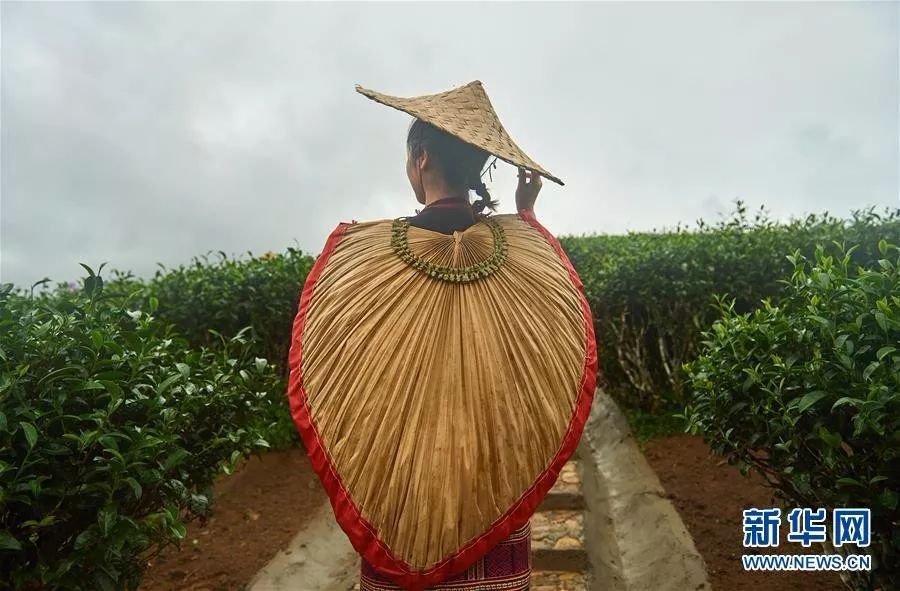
x,y
528,189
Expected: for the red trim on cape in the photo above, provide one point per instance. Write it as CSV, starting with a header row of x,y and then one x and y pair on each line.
x,y
362,534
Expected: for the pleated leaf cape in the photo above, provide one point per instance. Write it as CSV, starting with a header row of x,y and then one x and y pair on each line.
x,y
439,383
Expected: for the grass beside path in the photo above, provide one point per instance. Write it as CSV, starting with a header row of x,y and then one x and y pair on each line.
x,y
648,426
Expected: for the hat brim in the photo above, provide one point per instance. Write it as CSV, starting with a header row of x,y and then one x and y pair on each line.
x,y
467,114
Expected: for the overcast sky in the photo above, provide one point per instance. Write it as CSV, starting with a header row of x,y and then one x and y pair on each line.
x,y
141,133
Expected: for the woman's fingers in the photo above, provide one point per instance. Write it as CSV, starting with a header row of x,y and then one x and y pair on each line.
x,y
528,177
528,189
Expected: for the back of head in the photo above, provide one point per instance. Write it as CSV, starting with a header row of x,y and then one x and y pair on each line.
x,y
460,163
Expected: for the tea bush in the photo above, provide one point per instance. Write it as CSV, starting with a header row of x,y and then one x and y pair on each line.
x,y
230,295
112,429
651,293
258,294
208,298
807,392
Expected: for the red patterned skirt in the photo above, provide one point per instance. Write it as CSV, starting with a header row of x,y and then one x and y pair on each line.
x,y
506,567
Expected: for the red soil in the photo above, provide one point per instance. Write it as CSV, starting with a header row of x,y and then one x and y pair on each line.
x,y
258,510
710,495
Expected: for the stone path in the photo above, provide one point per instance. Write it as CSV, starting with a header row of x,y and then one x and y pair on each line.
x,y
635,538
606,525
558,554
320,558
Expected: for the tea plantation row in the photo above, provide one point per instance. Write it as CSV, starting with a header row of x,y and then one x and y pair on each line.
x,y
121,400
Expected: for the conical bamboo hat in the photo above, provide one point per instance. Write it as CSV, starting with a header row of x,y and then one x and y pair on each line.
x,y
439,383
465,112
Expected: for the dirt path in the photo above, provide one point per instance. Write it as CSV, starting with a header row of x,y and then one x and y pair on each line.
x,y
259,510
710,495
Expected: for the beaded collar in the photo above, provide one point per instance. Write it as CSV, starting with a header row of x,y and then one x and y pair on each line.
x,y
400,245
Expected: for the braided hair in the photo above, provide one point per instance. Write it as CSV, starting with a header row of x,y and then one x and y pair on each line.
x,y
460,163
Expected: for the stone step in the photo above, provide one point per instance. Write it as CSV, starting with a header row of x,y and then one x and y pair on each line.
x,y
557,541
556,580
566,492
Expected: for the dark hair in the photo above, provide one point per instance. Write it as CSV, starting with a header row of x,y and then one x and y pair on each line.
x,y
460,163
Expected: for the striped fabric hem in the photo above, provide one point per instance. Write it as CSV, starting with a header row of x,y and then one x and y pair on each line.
x,y
506,567
520,582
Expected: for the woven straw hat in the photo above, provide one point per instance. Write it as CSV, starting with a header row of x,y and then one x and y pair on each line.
x,y
439,383
467,113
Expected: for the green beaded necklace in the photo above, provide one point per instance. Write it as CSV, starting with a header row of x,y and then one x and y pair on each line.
x,y
400,244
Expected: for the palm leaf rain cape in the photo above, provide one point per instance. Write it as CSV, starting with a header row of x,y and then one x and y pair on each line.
x,y
439,383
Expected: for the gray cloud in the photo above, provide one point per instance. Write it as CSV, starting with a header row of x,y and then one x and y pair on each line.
x,y
143,132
